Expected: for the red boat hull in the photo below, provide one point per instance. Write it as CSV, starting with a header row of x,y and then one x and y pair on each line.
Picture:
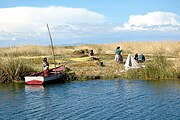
x,y
34,82
54,75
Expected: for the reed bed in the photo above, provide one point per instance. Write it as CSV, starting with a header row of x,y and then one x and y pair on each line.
x,y
162,60
158,68
168,48
13,70
25,50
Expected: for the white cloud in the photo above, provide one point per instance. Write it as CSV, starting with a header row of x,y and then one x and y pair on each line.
x,y
32,20
25,24
160,21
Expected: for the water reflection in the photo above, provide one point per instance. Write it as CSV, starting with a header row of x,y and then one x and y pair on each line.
x,y
160,85
35,100
32,88
15,87
35,91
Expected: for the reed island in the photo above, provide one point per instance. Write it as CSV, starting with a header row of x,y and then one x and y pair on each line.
x,y
162,61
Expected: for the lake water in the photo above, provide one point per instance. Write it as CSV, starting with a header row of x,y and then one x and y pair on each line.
x,y
94,99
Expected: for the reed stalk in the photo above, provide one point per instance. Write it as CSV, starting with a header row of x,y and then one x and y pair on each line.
x,y
14,69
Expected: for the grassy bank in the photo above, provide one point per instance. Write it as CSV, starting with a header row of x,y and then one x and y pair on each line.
x,y
14,70
158,68
162,60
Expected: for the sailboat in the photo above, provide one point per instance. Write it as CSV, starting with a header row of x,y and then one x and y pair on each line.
x,y
54,75
39,78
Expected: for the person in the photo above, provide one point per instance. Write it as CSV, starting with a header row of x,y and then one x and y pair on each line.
x,y
118,55
141,58
91,53
136,57
45,66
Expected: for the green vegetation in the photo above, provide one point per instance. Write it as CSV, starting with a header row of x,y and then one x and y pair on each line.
x,y
158,68
14,70
158,65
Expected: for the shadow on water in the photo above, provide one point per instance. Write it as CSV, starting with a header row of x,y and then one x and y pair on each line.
x,y
154,84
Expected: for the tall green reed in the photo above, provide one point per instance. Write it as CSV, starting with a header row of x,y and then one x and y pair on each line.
x,y
158,68
13,70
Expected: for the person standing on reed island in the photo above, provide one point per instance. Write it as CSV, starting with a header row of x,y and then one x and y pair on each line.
x,y
45,66
118,55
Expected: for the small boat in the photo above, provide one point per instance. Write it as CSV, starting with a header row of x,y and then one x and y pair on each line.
x,y
54,75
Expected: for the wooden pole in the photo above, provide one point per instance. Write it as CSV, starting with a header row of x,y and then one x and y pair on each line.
x,y
52,46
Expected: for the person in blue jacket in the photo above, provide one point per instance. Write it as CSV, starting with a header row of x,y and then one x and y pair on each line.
x,y
118,55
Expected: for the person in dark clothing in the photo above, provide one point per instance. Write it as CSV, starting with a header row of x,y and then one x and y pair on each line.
x,y
141,58
136,57
91,53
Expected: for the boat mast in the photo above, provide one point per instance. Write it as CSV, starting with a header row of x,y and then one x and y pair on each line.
x,y
52,47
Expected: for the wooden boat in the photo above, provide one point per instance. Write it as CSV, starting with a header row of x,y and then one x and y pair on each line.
x,y
54,75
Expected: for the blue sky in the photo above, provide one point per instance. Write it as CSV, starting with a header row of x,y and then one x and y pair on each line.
x,y
88,21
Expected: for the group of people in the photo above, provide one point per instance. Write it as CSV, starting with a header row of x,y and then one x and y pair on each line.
x,y
140,58
119,57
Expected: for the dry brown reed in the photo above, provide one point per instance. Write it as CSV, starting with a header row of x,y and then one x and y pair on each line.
x,y
167,47
24,50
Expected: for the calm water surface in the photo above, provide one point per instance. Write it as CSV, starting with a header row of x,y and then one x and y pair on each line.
x,y
95,99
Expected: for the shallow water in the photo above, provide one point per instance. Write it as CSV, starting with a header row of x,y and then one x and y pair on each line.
x,y
94,99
